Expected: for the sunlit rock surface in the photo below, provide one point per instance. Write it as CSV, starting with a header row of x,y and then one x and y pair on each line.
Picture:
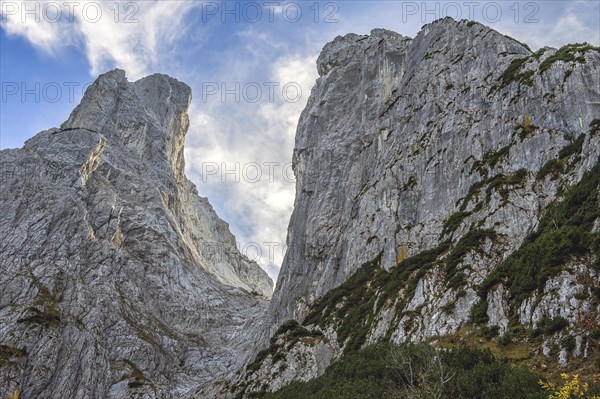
x,y
117,280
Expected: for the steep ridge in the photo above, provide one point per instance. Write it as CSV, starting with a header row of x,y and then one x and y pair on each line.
x,y
422,165
117,279
447,189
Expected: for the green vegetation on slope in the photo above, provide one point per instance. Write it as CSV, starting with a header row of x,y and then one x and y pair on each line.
x,y
353,305
567,157
293,331
568,53
595,127
472,241
512,73
500,183
382,371
564,233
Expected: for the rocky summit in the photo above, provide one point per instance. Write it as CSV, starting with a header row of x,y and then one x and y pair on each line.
x,y
118,280
448,192
437,180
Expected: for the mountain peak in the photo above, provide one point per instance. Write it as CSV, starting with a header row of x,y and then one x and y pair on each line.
x,y
149,115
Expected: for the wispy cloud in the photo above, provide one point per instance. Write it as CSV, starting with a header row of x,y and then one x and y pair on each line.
x,y
239,153
127,35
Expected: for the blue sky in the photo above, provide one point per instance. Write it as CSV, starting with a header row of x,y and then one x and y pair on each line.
x,y
263,52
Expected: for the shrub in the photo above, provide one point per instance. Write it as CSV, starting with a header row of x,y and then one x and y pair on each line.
x,y
571,388
564,232
501,183
473,192
527,127
568,342
551,325
553,168
292,331
386,371
573,148
595,127
479,312
471,241
569,53
506,339
491,159
480,375
278,357
511,74
490,332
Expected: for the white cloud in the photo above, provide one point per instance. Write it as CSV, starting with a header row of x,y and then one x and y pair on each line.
x,y
569,29
17,20
127,35
223,135
555,24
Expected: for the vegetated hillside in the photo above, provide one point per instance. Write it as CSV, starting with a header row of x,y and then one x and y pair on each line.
x,y
447,192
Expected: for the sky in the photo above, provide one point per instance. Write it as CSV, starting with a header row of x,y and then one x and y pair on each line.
x,y
250,66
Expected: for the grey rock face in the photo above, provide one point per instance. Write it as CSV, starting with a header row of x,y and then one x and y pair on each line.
x,y
394,135
117,280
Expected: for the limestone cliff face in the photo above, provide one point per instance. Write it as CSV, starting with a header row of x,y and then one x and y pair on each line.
x,y
443,150
396,132
118,280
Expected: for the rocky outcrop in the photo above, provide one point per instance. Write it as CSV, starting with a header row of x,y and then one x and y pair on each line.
x,y
397,131
118,280
438,156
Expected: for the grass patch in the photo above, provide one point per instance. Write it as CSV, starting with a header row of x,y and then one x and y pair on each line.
x,y
513,74
293,332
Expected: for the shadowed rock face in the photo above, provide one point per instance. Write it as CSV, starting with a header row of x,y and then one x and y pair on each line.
x,y
117,280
